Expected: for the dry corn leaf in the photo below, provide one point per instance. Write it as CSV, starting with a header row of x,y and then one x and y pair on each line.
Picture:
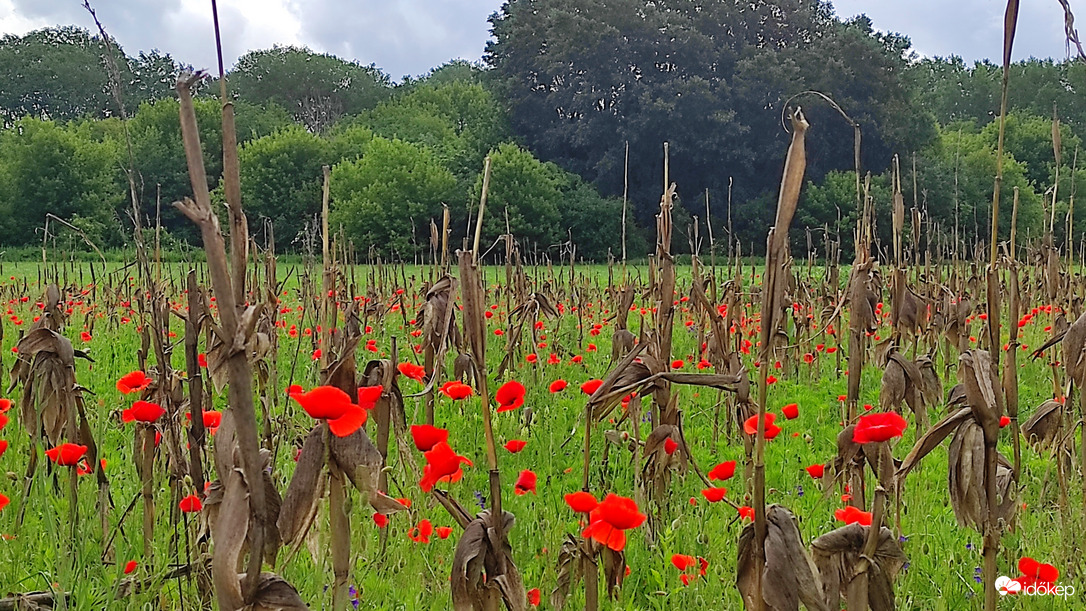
x,y
789,576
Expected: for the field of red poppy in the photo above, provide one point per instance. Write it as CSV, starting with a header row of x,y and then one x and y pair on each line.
x,y
668,502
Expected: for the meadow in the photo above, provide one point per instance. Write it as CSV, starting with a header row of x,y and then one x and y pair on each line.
x,y
390,567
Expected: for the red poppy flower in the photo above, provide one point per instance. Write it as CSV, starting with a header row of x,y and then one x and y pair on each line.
x,y
878,427
191,504
532,357
413,371
84,336
576,359
427,436
746,513
66,454
421,532
591,386
456,390
670,445
525,483
790,411
703,566
201,360
850,515
130,566
4,501
581,502
610,520
510,396
5,405
212,419
3,421
368,396
515,445
294,389
723,471
3,446
443,532
133,382
316,353
750,427
714,495
677,364
142,411
1036,571
1004,421
334,406
534,597
816,471
682,561
380,519
558,386
441,463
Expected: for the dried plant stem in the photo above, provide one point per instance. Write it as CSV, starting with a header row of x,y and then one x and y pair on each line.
x,y
773,284
240,396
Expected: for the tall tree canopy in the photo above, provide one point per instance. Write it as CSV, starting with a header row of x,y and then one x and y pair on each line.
x,y
316,88
582,78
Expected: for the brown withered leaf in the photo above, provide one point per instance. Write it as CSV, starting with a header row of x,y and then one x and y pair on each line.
x,y
1074,351
476,557
982,390
614,570
273,593
932,438
789,576
299,507
568,571
229,537
45,365
1043,427
966,472
838,556
360,461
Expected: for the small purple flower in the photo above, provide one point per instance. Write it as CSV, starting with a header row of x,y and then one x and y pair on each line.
x,y
969,546
905,567
799,490
353,591
480,499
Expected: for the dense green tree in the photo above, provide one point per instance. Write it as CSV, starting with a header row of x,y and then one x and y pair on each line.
x,y
387,197
582,79
161,169
49,168
55,73
316,88
281,179
523,195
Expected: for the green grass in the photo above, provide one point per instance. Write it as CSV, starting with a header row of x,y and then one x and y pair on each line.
x,y
943,558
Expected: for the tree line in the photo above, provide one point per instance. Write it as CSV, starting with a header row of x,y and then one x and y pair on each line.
x,y
572,103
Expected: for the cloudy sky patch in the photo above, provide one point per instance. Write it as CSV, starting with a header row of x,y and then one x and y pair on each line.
x,y
409,37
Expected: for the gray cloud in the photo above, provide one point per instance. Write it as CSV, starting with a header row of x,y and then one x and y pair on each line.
x,y
408,37
972,29
403,37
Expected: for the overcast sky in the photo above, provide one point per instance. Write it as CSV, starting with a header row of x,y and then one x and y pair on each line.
x,y
408,37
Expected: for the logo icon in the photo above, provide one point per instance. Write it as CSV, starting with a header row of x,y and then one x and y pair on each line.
x,y
1005,585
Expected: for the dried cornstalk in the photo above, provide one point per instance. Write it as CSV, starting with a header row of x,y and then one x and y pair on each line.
x,y
773,288
235,331
786,576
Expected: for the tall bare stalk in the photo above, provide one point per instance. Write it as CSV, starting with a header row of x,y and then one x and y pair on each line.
x,y
773,287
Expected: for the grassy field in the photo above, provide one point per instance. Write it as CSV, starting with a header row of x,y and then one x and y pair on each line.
x,y
943,572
